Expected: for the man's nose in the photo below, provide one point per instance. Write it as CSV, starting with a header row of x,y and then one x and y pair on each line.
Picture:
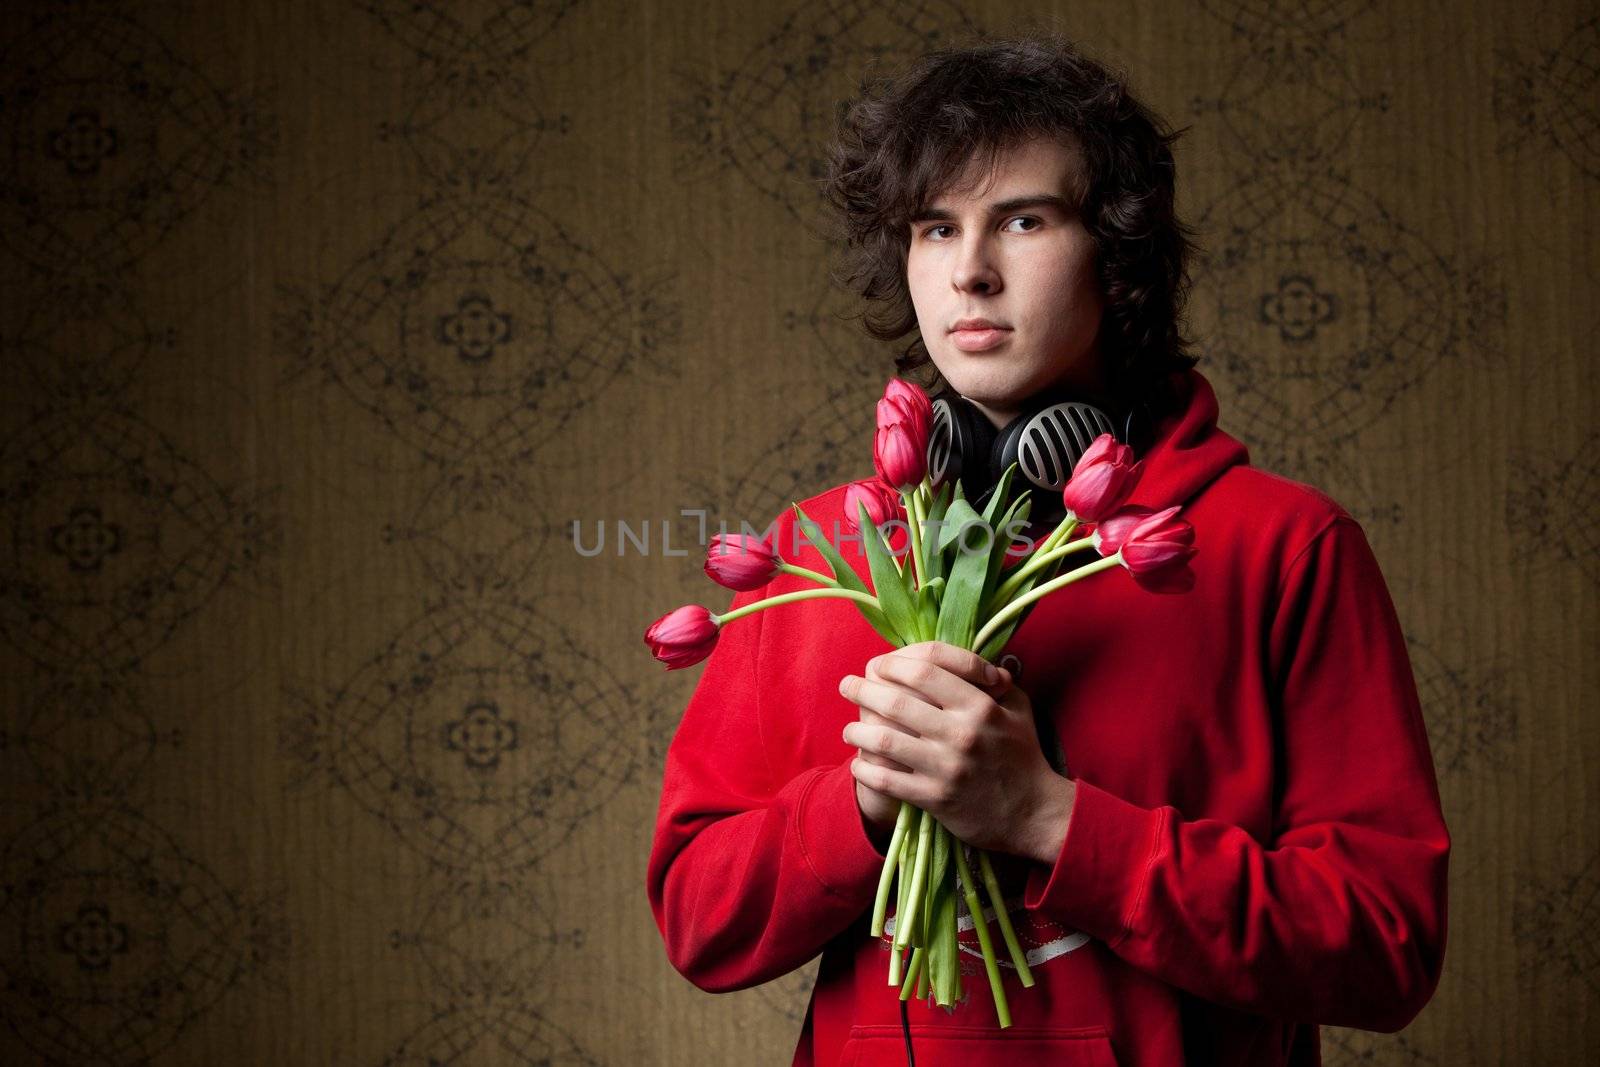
x,y
975,270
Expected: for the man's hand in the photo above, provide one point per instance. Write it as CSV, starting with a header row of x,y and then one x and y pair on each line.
x,y
879,811
937,729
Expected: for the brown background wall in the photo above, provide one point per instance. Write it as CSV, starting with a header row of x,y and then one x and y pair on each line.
x,y
323,322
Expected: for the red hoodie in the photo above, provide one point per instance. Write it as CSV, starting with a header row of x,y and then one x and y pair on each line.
x,y
1257,844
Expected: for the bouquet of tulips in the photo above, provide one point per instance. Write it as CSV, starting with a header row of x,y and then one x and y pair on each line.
x,y
955,587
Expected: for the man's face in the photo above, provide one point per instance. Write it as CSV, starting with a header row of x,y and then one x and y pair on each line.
x,y
1009,247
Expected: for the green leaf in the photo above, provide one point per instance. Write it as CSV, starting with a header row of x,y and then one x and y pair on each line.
x,y
963,591
841,570
847,578
941,501
939,867
898,604
1017,514
928,605
960,491
943,958
997,498
959,514
879,622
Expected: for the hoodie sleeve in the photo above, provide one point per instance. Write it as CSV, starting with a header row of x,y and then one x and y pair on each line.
x,y
755,865
1340,918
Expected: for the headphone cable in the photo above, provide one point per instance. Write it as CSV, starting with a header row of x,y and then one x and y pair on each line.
x,y
905,1027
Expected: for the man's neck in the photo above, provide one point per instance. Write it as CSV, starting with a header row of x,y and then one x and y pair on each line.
x,y
1096,394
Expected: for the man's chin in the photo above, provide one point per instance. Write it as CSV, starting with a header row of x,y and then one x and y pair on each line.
x,y
1001,406
990,392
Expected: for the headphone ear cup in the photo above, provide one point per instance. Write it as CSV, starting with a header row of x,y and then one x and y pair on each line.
x,y
1003,452
960,444
1004,441
1047,507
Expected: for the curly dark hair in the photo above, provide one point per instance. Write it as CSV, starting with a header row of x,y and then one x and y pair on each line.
x,y
907,135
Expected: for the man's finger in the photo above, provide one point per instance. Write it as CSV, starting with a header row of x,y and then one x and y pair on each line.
x,y
934,683
873,718
896,703
870,716
959,661
915,788
892,745
882,761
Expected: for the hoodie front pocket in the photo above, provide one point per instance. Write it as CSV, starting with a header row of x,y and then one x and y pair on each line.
x,y
883,1045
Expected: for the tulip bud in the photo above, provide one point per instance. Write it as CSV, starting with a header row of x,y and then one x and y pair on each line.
x,y
882,503
740,561
1110,532
683,636
912,401
1157,541
900,447
1102,479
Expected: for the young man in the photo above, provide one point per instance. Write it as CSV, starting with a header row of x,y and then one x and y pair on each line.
x,y
1239,836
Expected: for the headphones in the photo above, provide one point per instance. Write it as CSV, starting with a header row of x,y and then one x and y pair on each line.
x,y
1045,441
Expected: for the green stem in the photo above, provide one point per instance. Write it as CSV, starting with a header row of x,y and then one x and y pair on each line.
x,y
1052,539
786,598
802,572
903,879
969,892
919,877
913,972
1014,608
902,826
929,563
1035,563
1058,535
915,513
1019,959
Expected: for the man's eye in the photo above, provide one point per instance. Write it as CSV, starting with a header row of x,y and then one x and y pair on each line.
x,y
933,231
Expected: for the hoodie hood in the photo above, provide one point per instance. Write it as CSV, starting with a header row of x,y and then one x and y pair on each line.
x,y
1187,450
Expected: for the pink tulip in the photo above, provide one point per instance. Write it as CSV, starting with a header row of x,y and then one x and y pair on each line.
x,y
913,401
1110,532
682,637
740,561
1156,542
882,503
1104,476
900,448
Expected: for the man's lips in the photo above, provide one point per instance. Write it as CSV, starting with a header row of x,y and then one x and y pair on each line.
x,y
979,340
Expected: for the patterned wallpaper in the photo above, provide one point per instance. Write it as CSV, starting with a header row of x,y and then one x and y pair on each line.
x,y
323,323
